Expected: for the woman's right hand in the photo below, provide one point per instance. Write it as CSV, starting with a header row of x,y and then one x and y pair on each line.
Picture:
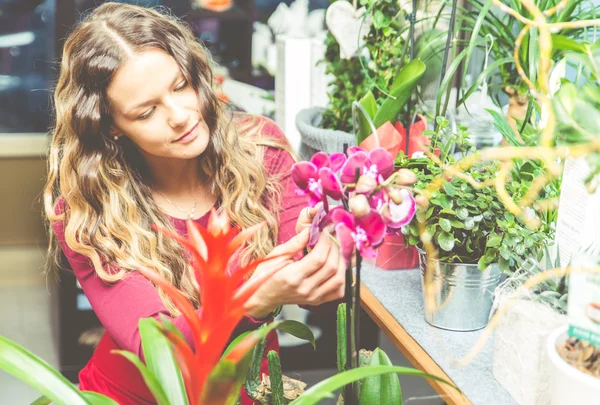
x,y
317,278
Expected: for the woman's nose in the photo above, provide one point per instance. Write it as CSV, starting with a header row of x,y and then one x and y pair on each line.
x,y
178,115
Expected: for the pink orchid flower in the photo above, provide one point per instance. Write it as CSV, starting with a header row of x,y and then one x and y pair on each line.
x,y
400,209
363,233
317,178
373,167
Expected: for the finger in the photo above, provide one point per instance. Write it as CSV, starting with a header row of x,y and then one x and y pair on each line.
x,y
314,260
334,284
328,270
306,217
290,248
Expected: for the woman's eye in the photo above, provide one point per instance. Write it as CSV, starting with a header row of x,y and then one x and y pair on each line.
x,y
145,116
182,86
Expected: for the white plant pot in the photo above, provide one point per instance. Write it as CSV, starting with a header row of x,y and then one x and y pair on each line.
x,y
569,386
520,362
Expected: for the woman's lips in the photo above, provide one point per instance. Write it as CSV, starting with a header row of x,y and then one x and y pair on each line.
x,y
189,136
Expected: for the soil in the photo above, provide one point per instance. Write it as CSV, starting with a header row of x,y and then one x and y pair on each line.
x,y
582,355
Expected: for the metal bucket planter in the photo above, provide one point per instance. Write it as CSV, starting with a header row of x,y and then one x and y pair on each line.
x,y
317,139
463,294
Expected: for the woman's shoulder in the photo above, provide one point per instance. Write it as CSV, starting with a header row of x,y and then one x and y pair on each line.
x,y
259,127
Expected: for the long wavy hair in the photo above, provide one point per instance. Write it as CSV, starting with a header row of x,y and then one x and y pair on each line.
x,y
104,185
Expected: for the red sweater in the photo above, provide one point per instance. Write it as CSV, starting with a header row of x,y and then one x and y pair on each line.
x,y
119,306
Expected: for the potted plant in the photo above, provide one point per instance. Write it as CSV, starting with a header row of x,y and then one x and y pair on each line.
x,y
476,237
373,67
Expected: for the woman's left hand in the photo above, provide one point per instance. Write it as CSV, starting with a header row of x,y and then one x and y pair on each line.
x,y
306,217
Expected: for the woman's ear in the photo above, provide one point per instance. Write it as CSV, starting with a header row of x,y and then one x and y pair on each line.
x,y
115,133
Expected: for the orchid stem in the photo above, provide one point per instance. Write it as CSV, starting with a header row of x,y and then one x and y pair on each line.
x,y
357,307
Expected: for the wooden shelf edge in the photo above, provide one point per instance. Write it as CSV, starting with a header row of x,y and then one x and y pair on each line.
x,y
410,348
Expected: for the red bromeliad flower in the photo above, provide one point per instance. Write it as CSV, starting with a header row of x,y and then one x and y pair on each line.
x,y
223,298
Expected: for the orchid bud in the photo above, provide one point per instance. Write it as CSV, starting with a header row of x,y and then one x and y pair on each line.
x,y
366,184
405,177
359,205
422,201
396,196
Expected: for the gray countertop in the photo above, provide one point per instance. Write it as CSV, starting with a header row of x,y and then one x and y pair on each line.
x,y
400,293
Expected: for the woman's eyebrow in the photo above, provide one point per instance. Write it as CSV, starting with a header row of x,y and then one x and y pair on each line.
x,y
147,102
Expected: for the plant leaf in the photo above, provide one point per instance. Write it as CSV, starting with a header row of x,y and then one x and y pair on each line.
x,y
149,378
234,342
364,128
445,224
35,372
383,389
161,361
494,240
446,241
400,92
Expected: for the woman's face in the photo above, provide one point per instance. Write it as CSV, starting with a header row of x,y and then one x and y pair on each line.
x,y
153,105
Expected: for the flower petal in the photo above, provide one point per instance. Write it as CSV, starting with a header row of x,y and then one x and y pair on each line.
x,y
357,160
401,214
344,236
330,183
320,159
353,149
383,160
340,215
378,199
374,226
336,161
302,172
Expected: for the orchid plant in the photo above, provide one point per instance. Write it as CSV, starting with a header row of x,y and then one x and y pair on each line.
x,y
372,198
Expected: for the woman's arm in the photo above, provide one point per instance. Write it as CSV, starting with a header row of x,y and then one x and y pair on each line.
x,y
119,306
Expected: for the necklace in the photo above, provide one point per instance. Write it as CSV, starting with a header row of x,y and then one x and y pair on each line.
x,y
190,214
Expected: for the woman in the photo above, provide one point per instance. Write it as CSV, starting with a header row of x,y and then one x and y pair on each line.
x,y
141,139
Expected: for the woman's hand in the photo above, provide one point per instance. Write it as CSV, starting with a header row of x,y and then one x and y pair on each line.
x,y
306,217
317,278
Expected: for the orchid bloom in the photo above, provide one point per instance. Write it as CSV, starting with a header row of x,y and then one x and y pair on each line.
x,y
400,209
373,168
363,233
317,178
223,298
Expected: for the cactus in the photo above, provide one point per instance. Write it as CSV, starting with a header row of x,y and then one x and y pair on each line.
x,y
380,390
253,379
341,337
276,378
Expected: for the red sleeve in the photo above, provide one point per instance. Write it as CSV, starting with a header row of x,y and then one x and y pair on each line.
x,y
279,162
119,306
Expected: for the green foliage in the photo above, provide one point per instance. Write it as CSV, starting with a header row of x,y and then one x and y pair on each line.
x,y
341,337
276,378
468,224
253,378
353,78
484,23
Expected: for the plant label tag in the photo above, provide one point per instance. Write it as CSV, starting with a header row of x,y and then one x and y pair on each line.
x,y
584,298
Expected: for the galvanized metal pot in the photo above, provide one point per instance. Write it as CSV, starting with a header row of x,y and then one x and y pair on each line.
x,y
463,294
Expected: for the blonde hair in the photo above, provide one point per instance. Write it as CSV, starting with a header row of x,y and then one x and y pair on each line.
x,y
103,185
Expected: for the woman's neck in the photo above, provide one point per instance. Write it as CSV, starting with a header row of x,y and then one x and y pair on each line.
x,y
176,177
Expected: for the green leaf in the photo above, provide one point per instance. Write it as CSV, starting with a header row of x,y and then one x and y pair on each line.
x,y
161,362
450,189
383,389
462,213
97,399
323,389
445,224
235,341
35,372
165,321
400,92
446,241
41,401
494,240
364,128
149,378
563,43
469,223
